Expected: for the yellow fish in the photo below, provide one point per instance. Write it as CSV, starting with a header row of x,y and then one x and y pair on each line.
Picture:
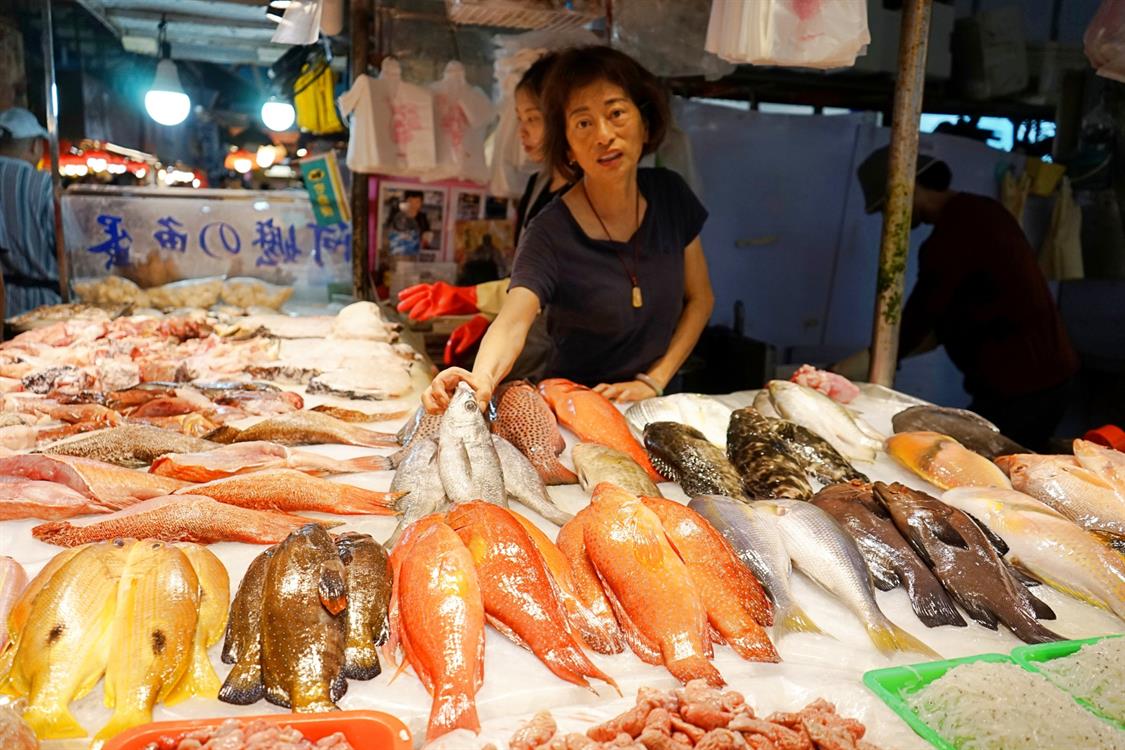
x,y
152,634
214,596
64,648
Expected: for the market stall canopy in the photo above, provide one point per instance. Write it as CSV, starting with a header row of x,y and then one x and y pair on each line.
x,y
217,31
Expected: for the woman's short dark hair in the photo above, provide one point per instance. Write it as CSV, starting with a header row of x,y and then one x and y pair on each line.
x,y
937,176
579,67
534,77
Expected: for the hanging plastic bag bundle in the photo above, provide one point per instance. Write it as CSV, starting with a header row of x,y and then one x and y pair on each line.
x,y
791,33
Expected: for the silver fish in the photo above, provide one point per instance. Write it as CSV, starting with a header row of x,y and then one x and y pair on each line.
x,y
758,544
847,434
467,461
418,476
523,483
827,554
701,412
600,463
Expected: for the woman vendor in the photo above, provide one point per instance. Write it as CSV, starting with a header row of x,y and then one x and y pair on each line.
x,y
617,258
425,301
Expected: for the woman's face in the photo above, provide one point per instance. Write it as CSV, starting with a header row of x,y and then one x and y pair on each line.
x,y
605,130
531,124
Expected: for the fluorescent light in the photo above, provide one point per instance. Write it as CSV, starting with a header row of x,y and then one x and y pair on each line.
x,y
166,102
278,115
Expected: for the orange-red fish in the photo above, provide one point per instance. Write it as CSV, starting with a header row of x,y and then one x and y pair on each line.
x,y
30,498
735,602
524,420
648,585
179,518
441,624
112,486
594,419
518,595
605,635
244,458
288,490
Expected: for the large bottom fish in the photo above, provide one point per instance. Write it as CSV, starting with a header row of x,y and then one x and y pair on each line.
x,y
369,593
598,463
766,471
178,518
848,434
824,552
943,462
890,558
131,445
1050,547
288,490
968,428
966,563
685,456
757,542
816,455
605,635
242,642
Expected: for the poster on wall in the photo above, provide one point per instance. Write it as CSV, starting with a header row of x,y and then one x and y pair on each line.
x,y
411,221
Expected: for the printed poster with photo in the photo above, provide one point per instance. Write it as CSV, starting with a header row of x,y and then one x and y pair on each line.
x,y
412,221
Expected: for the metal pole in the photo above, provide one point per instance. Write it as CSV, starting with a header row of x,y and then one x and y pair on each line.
x,y
900,189
53,137
360,53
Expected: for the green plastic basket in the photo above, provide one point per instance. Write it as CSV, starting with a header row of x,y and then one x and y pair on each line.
x,y
1030,657
892,685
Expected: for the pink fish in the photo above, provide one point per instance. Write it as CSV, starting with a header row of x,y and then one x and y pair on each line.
x,y
13,580
31,498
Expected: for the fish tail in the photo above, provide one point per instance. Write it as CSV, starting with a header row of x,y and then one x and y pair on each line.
x,y
753,645
552,472
933,606
199,679
53,723
794,620
361,661
695,668
244,684
452,710
122,720
358,501
368,463
889,638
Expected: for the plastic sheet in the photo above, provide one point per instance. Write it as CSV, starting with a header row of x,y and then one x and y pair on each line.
x,y
1105,40
667,36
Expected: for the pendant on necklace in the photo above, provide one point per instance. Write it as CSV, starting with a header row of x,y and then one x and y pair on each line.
x,y
638,300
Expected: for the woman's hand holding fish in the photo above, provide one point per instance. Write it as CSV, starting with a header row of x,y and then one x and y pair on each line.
x,y
436,398
634,390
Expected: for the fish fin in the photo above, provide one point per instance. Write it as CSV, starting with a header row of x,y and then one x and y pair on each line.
x,y
244,684
277,695
358,501
945,532
1021,573
1029,630
933,606
1042,610
889,638
998,544
452,710
554,473
695,667
369,463
1115,541
507,632
338,688
53,723
199,679
402,665
645,650
120,721
361,661
794,620
333,590
883,577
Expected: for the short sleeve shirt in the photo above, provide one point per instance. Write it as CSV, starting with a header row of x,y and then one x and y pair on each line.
x,y
599,336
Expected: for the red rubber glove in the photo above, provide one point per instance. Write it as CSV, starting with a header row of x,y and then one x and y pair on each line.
x,y
425,301
464,337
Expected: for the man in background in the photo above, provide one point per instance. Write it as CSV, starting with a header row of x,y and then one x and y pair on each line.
x,y
27,216
981,295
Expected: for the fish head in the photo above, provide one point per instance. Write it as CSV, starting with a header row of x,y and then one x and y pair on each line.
x,y
463,412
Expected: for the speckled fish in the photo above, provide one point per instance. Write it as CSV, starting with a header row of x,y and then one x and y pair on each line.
x,y
289,491
1073,490
604,635
823,551
695,410
815,454
467,459
815,411
421,426
519,596
30,498
131,445
153,630
311,428
757,542
523,484
1051,548
651,591
61,653
419,478
214,599
685,456
111,486
13,580
242,643
524,420
968,428
736,604
368,576
890,558
177,518
599,463
966,562
243,458
943,462
766,471
594,419
303,625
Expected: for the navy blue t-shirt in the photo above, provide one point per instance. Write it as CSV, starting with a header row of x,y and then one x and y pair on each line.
x,y
598,335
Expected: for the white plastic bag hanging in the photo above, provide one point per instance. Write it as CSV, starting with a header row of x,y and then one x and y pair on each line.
x,y
462,113
790,33
1104,40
